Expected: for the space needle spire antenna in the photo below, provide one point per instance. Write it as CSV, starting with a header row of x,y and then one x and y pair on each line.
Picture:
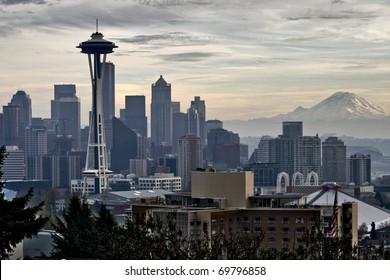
x,y
96,164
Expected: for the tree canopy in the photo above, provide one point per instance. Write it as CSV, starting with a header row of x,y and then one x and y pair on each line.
x,y
17,220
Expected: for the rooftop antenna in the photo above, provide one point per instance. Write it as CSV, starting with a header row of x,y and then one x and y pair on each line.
x,y
97,25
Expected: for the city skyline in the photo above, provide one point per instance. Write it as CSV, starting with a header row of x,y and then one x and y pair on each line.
x,y
262,58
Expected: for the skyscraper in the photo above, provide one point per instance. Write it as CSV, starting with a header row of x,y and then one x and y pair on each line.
x,y
307,155
261,154
334,160
212,124
134,114
14,165
65,110
11,125
23,101
124,148
223,148
35,141
179,128
190,157
161,113
198,106
292,129
109,91
360,169
108,86
294,152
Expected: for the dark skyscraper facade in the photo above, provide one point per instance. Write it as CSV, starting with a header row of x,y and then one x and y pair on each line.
x,y
11,125
134,114
23,101
334,160
124,148
199,106
179,128
223,148
161,113
108,87
292,129
360,169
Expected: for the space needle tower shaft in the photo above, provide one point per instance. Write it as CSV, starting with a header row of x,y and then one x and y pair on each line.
x,y
97,49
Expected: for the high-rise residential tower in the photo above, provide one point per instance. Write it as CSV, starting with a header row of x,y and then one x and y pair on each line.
x,y
334,160
35,141
190,157
161,113
294,152
307,155
360,169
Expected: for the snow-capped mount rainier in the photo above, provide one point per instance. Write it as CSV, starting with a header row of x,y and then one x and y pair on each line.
x,y
342,113
339,106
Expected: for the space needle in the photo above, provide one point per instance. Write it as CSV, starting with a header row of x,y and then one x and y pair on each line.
x,y
96,170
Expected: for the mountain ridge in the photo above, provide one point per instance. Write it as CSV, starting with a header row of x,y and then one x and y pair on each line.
x,y
340,105
342,113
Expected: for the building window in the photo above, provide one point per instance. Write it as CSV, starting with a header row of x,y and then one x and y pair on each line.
x,y
285,220
246,230
271,240
221,221
271,230
313,221
299,221
299,229
257,220
285,240
271,220
257,229
195,232
246,219
285,230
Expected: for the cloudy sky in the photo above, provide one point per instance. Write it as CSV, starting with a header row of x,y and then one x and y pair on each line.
x,y
246,58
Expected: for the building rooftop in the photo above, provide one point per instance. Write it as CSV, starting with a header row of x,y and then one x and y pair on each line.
x,y
367,213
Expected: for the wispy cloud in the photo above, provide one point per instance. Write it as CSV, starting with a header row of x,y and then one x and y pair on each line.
x,y
17,2
166,39
190,56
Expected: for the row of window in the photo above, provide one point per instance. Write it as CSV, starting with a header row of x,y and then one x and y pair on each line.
x,y
270,230
270,220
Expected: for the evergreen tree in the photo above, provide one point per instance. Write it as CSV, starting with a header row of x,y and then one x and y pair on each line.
x,y
105,225
17,221
76,235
